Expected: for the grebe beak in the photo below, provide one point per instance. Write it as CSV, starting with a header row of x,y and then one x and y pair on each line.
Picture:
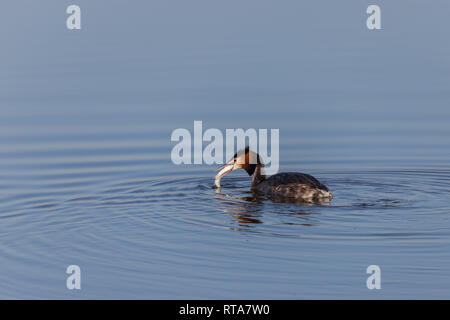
x,y
224,170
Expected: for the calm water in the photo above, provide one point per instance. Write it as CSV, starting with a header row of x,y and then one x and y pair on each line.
x,y
85,170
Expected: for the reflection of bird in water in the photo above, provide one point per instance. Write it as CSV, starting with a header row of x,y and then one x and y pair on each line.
x,y
287,185
247,211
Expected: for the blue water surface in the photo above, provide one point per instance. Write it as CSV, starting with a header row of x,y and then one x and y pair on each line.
x,y
86,176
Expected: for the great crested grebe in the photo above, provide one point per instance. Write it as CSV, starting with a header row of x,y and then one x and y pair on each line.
x,y
290,185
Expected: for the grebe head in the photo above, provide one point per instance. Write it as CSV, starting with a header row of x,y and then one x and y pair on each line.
x,y
243,159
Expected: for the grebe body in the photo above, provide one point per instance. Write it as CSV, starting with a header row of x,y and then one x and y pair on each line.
x,y
289,185
293,185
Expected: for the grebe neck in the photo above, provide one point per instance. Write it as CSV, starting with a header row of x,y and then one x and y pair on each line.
x,y
259,175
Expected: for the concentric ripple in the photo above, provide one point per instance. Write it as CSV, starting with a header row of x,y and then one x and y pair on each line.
x,y
141,227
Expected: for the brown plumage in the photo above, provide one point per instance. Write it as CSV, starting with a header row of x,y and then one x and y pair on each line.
x,y
289,185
